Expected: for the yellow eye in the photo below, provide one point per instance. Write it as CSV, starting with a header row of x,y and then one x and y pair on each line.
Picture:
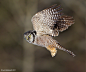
x,y
27,38
29,35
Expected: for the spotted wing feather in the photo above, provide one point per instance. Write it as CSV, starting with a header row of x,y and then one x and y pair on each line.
x,y
51,19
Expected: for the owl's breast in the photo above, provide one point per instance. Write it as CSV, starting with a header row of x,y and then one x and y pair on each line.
x,y
44,41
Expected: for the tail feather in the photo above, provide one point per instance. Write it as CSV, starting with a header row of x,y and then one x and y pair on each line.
x,y
62,48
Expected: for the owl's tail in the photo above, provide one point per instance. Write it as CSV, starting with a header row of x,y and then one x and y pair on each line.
x,y
62,48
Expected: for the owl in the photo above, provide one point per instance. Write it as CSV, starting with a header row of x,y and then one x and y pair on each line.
x,y
47,24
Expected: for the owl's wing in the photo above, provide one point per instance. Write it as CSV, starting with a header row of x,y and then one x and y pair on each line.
x,y
52,18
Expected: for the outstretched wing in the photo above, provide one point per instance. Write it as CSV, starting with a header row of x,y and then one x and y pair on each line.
x,y
51,19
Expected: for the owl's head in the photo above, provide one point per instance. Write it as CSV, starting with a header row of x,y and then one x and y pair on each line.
x,y
30,36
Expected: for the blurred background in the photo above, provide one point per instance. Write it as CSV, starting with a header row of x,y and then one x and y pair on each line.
x,y
16,53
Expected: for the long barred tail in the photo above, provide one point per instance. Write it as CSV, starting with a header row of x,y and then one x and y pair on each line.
x,y
62,48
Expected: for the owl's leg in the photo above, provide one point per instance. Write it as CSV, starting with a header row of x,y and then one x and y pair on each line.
x,y
52,50
58,46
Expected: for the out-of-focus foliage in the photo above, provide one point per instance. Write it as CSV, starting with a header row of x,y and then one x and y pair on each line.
x,y
16,53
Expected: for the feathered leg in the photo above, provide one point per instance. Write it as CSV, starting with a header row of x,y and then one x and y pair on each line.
x,y
52,49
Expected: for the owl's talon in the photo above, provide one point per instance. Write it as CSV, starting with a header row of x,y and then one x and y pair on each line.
x,y
53,54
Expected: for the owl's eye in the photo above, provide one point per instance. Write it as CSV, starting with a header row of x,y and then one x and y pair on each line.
x,y
27,38
29,35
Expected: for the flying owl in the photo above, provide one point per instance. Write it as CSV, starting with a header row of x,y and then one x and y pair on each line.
x,y
47,24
